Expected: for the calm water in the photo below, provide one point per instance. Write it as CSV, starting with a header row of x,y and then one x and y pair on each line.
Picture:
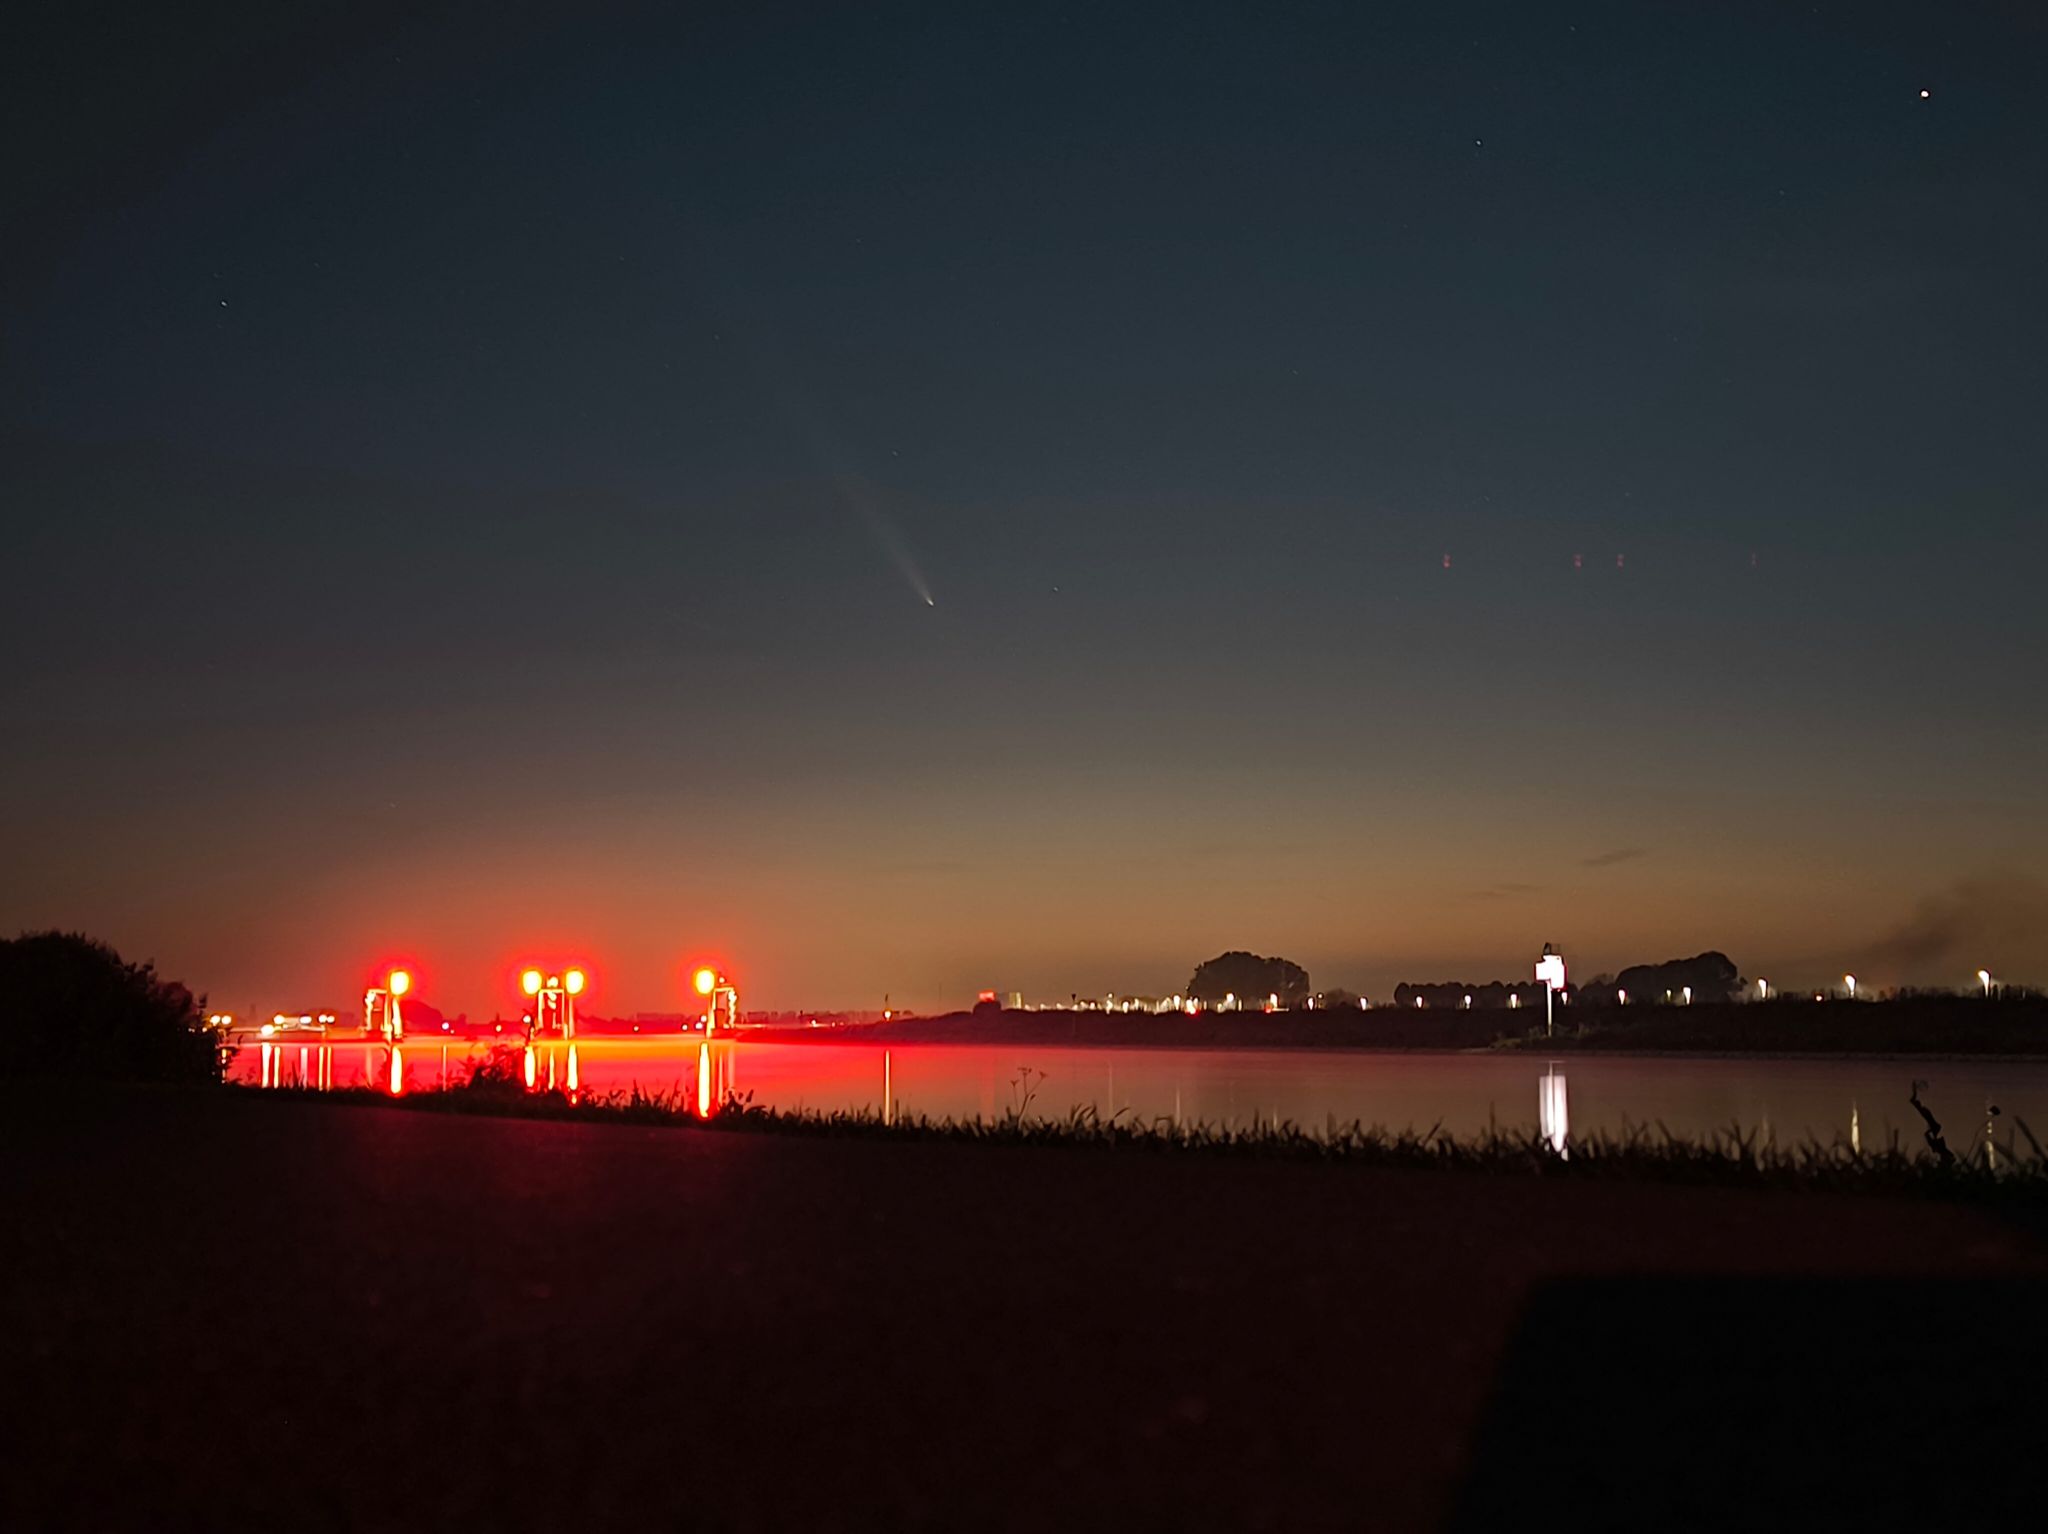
x,y
1785,1099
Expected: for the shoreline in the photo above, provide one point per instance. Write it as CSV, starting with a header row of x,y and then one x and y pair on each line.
x,y
1477,1051
1723,1158
1916,1028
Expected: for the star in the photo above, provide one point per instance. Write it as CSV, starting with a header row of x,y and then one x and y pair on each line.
x,y
1925,94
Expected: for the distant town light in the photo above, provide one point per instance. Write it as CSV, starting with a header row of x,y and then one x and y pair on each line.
x,y
1763,989
1850,982
1688,995
1984,979
1621,996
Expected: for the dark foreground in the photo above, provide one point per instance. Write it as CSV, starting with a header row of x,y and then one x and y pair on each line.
x,y
237,1312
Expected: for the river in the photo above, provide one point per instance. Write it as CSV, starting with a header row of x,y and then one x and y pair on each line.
x,y
1783,1100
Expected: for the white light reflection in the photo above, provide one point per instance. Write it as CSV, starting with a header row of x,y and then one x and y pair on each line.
x,y
1554,1112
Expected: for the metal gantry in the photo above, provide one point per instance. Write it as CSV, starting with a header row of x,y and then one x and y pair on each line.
x,y
554,1000
720,995
382,1016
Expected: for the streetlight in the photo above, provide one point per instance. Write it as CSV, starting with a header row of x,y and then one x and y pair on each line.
x,y
554,994
717,991
1688,995
1850,982
1763,990
1984,979
1550,972
381,1012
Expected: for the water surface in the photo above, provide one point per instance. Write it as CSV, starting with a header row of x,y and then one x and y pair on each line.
x,y
1781,1100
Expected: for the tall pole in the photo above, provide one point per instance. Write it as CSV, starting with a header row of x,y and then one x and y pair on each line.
x,y
1548,995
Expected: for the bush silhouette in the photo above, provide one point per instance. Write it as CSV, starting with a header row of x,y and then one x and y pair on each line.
x,y
70,1006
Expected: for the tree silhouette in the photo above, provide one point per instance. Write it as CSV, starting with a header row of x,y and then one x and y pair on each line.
x,y
1250,979
1712,976
70,1006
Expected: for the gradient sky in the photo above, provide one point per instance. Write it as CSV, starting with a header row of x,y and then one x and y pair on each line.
x,y
1395,486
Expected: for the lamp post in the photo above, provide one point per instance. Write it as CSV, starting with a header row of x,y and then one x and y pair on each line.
x,y
381,1012
1850,982
554,994
1550,972
717,991
1984,979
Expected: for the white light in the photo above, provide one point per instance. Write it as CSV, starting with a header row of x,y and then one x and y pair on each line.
x,y
1850,982
1622,997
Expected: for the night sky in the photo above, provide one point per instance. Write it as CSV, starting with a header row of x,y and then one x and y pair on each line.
x,y
905,500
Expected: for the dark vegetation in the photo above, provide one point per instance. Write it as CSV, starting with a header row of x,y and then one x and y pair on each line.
x,y
1249,978
70,1006
1907,1025
1712,976
1913,1024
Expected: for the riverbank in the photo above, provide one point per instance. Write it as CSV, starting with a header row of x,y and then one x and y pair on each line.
x,y
368,1316
2011,1172
1938,1026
